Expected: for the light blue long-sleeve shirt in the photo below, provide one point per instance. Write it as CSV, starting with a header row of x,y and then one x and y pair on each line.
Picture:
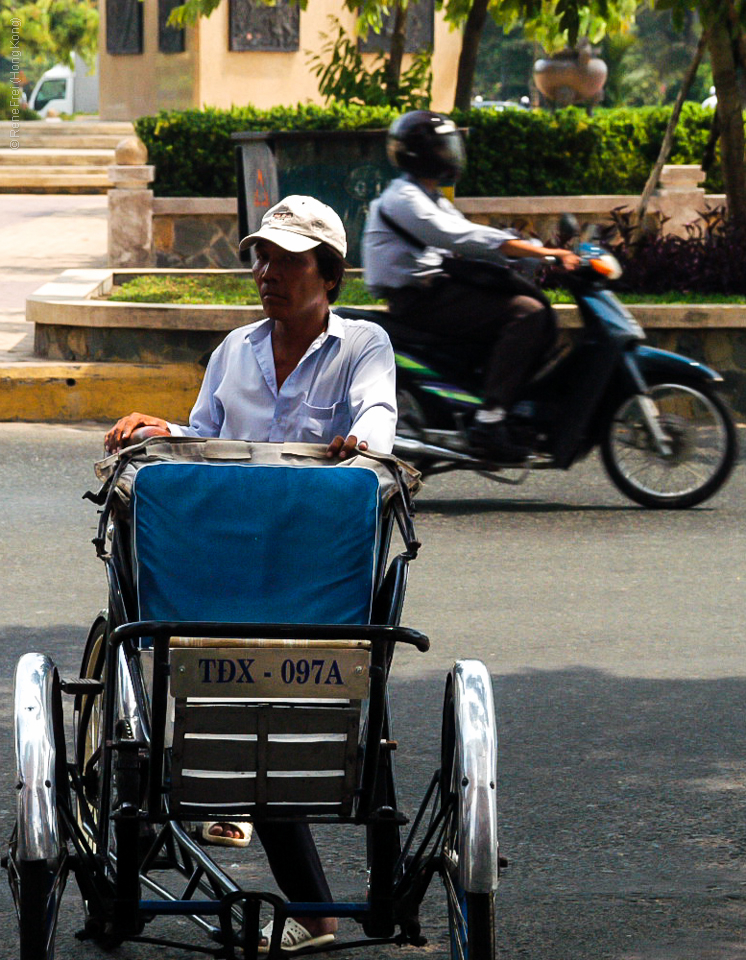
x,y
390,261
344,384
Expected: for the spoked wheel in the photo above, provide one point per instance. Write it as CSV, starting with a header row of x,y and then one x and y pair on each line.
x,y
88,725
469,851
699,432
38,862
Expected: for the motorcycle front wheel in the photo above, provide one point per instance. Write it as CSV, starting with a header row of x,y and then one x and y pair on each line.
x,y
701,440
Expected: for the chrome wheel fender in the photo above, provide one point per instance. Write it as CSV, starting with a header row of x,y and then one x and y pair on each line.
x,y
38,835
476,768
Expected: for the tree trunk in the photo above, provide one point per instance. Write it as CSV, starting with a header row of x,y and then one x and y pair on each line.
x,y
665,149
396,50
708,157
467,60
730,116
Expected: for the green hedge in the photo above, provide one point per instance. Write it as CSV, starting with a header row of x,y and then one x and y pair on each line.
x,y
521,153
9,105
511,153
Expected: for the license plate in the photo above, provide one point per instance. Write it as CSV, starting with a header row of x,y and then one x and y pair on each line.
x,y
257,672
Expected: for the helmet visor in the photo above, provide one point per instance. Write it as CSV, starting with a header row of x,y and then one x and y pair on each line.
x,y
449,156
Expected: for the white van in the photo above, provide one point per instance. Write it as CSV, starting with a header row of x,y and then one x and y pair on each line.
x,y
66,90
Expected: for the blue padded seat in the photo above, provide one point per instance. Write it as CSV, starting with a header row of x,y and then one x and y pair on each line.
x,y
255,543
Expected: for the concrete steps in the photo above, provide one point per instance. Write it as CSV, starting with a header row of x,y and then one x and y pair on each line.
x,y
46,156
58,157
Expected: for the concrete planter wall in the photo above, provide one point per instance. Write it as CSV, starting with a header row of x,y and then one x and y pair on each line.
x,y
202,232
73,324
195,232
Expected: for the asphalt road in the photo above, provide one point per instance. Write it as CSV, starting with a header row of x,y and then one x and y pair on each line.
x,y
615,639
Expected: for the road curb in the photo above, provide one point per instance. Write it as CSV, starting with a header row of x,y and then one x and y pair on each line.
x,y
70,392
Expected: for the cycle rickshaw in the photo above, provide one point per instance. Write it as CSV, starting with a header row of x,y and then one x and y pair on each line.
x,y
240,673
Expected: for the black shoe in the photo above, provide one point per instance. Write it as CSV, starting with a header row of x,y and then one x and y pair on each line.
x,y
497,442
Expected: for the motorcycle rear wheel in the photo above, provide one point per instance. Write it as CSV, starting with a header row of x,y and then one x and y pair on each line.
x,y
704,447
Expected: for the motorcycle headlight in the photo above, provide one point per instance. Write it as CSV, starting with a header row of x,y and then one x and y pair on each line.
x,y
607,265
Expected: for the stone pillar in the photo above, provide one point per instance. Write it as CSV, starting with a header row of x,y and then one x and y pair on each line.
x,y
131,206
678,197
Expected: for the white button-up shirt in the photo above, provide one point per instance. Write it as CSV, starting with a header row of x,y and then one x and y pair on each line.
x,y
344,384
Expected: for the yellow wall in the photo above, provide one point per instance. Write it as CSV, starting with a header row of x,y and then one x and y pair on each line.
x,y
209,74
132,85
446,49
269,79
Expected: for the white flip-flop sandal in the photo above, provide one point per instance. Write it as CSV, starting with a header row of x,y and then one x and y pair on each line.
x,y
244,826
294,937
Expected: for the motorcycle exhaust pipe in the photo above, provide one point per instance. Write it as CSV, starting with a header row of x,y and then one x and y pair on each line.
x,y
406,447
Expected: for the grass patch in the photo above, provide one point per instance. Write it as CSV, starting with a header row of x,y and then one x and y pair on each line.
x,y
221,289
651,299
239,290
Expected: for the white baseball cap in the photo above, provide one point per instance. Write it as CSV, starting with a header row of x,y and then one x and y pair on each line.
x,y
299,224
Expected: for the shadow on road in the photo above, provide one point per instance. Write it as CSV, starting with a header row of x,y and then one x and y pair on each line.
x,y
466,507
621,811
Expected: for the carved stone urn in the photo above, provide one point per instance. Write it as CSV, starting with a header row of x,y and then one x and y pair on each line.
x,y
573,76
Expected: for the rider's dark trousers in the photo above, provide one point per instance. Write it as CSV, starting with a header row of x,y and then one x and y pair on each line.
x,y
294,860
517,332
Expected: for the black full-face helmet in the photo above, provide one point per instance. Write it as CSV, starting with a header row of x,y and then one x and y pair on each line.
x,y
426,144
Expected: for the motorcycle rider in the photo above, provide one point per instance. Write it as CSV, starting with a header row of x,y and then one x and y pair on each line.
x,y
411,227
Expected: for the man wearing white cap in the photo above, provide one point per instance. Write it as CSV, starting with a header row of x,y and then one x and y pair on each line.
x,y
303,374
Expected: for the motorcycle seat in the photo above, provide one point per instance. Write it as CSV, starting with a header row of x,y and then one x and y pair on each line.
x,y
399,332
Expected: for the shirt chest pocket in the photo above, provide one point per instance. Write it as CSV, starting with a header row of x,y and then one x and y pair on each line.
x,y
323,424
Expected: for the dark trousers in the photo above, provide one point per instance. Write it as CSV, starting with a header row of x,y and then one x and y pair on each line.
x,y
295,861
517,332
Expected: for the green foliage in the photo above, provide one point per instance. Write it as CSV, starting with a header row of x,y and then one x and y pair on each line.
x,y
708,10
552,23
10,109
189,12
344,76
510,153
647,64
536,153
51,28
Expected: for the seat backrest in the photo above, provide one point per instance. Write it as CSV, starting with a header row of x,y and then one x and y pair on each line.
x,y
267,544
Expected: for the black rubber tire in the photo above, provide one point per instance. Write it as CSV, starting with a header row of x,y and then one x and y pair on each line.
x,y
39,887
471,916
713,474
480,918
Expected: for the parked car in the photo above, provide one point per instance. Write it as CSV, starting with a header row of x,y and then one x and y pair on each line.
x,y
481,104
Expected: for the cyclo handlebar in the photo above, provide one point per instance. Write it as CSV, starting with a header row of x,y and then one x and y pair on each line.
x,y
270,631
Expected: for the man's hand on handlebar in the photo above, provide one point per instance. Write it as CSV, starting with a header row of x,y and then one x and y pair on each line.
x,y
522,248
133,429
567,258
339,447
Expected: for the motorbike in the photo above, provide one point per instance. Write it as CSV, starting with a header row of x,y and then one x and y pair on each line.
x,y
666,436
